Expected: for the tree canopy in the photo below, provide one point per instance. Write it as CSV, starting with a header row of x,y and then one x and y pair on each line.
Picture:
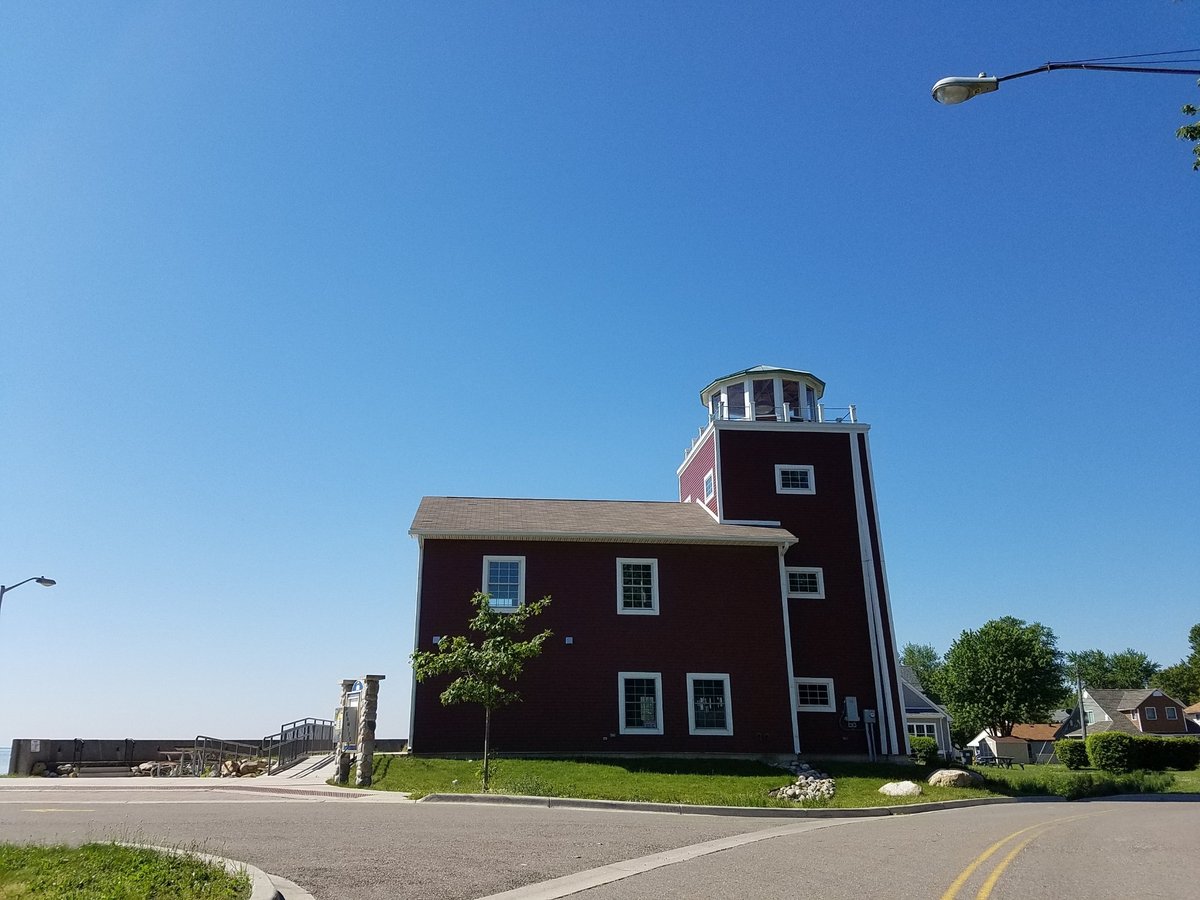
x,y
1126,670
1182,680
926,664
1190,131
1007,672
486,670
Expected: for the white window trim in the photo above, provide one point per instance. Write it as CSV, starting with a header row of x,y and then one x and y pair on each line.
x,y
653,563
520,580
691,699
818,594
780,489
1151,714
926,729
710,485
657,677
814,707
1172,713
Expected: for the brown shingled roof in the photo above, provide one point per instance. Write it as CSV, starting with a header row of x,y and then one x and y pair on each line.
x,y
583,520
1035,732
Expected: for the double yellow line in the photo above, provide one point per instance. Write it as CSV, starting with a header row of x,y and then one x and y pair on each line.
x,y
985,890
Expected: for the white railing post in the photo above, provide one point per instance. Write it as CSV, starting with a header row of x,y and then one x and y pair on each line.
x,y
820,412
853,413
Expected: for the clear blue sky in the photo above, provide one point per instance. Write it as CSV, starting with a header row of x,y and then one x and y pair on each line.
x,y
271,272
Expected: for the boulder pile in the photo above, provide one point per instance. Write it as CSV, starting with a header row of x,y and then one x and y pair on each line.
x,y
810,784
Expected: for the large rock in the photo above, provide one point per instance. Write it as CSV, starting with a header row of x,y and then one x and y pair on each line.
x,y
955,778
901,789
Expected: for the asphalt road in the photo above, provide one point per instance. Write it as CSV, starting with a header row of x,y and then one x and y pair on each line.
x,y
369,849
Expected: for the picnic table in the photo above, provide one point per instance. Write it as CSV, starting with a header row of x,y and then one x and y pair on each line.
x,y
1000,762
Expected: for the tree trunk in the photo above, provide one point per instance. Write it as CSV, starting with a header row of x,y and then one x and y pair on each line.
x,y
487,734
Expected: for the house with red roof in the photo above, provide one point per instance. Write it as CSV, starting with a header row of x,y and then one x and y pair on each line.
x,y
749,616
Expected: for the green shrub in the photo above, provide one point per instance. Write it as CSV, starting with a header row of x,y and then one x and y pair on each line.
x,y
1071,752
1160,753
1076,785
1185,753
1112,751
924,750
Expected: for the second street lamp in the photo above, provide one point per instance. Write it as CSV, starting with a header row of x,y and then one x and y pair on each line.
x,y
40,579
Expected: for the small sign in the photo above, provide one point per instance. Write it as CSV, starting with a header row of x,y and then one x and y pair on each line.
x,y
35,746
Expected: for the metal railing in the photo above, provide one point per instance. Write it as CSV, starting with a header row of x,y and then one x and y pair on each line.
x,y
208,755
818,413
295,741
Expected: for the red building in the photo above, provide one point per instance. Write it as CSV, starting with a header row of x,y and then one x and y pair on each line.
x,y
751,617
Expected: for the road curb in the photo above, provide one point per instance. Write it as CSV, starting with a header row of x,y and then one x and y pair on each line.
x,y
686,809
261,885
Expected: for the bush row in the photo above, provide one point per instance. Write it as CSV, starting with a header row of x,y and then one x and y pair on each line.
x,y
1117,752
1077,785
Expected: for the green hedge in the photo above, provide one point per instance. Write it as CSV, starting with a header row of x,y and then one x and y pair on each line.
x,y
1072,753
1115,751
924,750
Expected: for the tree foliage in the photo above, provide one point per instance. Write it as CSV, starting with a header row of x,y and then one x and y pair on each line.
x,y
1190,131
1005,673
1127,670
485,671
1182,680
926,664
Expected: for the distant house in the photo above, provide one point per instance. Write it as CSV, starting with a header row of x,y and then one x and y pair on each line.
x,y
1014,748
1142,711
925,718
1040,739
1192,713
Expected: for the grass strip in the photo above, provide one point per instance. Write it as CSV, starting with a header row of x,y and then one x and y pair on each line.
x,y
108,871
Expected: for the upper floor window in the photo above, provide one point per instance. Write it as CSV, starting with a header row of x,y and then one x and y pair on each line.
x,y
709,486
795,480
1151,713
1172,713
806,582
764,399
709,710
735,400
504,581
637,586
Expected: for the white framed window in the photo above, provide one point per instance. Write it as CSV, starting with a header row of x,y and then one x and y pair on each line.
x,y
504,581
1172,713
639,697
1089,717
1151,714
710,486
637,587
710,710
795,480
815,695
922,729
806,582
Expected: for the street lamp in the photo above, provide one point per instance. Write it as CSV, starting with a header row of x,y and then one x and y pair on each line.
x,y
42,580
959,89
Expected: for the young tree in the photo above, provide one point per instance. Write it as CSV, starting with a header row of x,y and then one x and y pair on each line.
x,y
484,669
926,664
1005,673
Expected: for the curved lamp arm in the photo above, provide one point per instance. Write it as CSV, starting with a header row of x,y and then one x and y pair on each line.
x,y
959,89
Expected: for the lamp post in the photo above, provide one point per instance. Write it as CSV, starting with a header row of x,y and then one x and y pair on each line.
x,y
959,88
42,580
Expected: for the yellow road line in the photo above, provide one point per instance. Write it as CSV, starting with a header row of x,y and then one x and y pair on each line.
x,y
964,877
986,890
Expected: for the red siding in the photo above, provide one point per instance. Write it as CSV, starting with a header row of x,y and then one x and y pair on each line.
x,y
831,638
720,612
691,479
1161,725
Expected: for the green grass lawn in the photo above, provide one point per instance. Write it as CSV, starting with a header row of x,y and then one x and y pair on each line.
x,y
716,782
111,872
723,782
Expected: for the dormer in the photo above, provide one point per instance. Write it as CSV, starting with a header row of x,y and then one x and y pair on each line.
x,y
765,394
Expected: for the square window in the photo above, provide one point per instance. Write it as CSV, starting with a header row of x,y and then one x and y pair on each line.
x,y
1151,713
815,695
709,709
637,587
640,699
709,486
1172,713
794,480
806,582
504,581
